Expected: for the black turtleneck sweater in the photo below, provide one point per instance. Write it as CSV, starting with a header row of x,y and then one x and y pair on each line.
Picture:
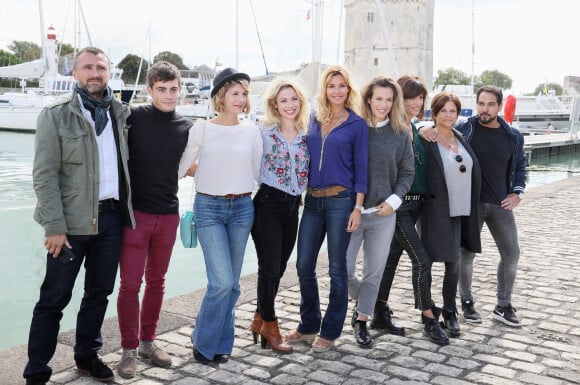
x,y
156,142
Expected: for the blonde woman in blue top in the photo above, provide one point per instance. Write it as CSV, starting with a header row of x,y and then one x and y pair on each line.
x,y
283,178
337,181
390,175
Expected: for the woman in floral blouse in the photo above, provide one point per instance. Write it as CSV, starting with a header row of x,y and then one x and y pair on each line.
x,y
283,178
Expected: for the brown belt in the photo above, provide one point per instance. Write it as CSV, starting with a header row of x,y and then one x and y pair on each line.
x,y
325,192
228,196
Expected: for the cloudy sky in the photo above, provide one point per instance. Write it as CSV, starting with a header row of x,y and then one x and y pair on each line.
x,y
529,40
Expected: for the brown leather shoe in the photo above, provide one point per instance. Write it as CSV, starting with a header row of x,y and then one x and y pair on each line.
x,y
270,333
256,326
155,354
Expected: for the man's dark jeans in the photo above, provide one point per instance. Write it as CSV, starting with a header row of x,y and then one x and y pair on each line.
x,y
100,254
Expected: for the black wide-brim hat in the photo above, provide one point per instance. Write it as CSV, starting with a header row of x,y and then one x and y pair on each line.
x,y
227,75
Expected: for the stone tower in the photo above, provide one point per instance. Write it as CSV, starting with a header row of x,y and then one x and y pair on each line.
x,y
408,36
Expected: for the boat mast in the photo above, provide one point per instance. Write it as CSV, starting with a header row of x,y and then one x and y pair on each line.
x,y
42,30
472,52
259,40
237,34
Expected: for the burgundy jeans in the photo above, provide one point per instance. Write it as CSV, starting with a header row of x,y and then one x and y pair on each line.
x,y
145,250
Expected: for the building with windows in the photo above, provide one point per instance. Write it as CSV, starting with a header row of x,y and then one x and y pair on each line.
x,y
389,37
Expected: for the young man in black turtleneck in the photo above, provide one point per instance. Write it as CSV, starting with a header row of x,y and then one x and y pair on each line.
x,y
157,139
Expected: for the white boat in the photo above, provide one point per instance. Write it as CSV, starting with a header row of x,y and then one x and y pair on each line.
x,y
19,110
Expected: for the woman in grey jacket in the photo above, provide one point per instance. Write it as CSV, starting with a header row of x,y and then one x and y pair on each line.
x,y
390,175
450,215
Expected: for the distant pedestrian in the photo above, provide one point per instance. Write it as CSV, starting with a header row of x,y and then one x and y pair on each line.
x,y
390,175
81,180
337,181
500,151
157,139
228,153
283,179
450,218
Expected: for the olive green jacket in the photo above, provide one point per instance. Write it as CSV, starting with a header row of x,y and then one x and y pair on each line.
x,y
66,169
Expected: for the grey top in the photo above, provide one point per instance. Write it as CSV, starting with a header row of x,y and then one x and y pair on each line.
x,y
458,183
390,165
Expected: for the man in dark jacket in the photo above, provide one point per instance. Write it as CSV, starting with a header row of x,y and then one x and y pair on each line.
x,y
82,184
500,151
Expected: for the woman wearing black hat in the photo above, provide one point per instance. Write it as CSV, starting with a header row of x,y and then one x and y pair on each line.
x,y
228,153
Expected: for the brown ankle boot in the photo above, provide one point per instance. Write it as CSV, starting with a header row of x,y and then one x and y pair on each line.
x,y
256,326
270,333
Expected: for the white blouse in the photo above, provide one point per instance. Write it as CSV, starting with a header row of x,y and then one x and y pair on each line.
x,y
228,157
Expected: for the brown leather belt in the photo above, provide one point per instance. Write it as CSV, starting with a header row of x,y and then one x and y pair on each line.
x,y
228,196
325,192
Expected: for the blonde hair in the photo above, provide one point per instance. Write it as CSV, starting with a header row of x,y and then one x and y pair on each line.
x,y
273,116
324,113
218,99
397,114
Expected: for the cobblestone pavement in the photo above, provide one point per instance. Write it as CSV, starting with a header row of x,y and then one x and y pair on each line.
x,y
546,350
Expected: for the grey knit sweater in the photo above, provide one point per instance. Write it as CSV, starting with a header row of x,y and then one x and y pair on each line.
x,y
390,166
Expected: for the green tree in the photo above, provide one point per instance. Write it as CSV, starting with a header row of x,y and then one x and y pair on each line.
x,y
172,58
8,58
451,76
544,87
25,50
494,78
130,66
66,49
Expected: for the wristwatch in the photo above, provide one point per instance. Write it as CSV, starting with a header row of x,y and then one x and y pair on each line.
x,y
521,195
359,207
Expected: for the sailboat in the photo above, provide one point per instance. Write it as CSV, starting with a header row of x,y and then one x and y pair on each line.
x,y
18,111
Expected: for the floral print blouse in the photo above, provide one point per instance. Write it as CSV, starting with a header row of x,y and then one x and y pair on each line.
x,y
284,165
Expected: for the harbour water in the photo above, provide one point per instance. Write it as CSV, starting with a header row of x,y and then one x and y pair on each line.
x,y
23,255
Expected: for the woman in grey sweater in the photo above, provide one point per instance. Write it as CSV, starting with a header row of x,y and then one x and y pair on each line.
x,y
390,175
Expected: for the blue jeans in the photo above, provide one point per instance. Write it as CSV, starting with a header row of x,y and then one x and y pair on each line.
x,y
100,254
502,226
327,216
223,227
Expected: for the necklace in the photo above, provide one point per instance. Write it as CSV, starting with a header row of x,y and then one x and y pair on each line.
x,y
450,143
338,121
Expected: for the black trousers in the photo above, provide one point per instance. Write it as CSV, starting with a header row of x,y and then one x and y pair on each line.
x,y
406,238
100,256
274,233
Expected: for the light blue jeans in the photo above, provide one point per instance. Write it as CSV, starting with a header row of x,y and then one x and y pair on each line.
x,y
223,227
377,233
502,226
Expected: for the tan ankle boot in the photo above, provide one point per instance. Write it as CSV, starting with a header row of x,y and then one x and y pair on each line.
x,y
270,333
256,326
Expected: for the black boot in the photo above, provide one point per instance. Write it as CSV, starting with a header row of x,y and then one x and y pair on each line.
x,y
450,322
432,330
363,338
382,319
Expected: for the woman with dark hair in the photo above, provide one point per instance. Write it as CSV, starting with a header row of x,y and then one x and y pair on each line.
x,y
450,218
228,152
406,237
283,178
337,181
390,174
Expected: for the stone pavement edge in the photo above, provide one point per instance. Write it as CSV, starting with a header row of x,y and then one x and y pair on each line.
x,y
545,351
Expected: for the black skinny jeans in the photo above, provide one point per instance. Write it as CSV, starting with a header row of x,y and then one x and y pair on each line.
x,y
406,238
274,233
